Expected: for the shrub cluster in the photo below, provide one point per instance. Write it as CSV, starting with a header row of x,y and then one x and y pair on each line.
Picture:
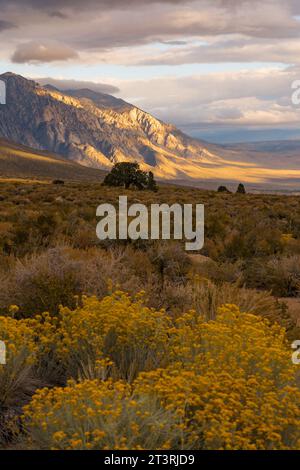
x,y
226,383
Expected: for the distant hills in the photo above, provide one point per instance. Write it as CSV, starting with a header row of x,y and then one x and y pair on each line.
x,y
96,130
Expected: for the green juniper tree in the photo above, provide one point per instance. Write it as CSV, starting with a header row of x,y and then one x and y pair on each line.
x,y
241,189
129,174
223,189
152,186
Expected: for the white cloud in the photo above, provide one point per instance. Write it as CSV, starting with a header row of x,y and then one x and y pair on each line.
x,y
243,98
42,52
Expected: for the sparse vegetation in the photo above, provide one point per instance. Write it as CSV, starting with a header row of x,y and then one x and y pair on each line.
x,y
241,189
223,189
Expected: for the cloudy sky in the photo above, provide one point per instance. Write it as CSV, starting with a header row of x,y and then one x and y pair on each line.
x,y
218,69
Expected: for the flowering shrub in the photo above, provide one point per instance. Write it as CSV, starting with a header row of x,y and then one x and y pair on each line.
x,y
231,381
15,375
134,337
146,380
98,415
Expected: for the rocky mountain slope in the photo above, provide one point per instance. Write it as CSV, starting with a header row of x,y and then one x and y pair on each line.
x,y
90,128
96,130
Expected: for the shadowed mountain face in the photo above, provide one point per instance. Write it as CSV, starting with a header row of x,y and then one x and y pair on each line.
x,y
97,130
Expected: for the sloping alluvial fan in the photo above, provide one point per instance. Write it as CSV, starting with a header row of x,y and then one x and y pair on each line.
x,y
18,161
97,130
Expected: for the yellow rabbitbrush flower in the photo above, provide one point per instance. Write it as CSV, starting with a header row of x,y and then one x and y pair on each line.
x,y
98,415
227,383
134,337
231,381
221,412
21,350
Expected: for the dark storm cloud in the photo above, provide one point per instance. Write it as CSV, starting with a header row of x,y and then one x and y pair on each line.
x,y
73,4
4,25
58,14
293,5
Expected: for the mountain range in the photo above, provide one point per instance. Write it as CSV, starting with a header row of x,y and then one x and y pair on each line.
x,y
96,130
